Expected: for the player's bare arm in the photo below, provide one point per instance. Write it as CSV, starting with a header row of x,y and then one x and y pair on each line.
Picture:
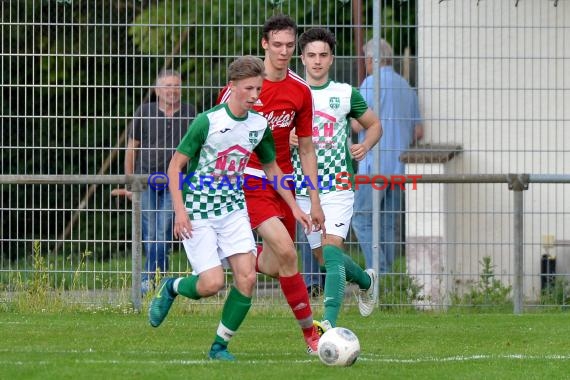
x,y
369,122
182,226
309,165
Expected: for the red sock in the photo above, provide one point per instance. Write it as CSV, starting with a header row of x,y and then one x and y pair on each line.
x,y
259,250
297,297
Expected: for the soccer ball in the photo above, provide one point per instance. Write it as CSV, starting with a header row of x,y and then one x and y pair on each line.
x,y
338,347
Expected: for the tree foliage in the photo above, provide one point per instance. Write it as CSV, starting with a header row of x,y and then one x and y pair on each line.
x,y
74,71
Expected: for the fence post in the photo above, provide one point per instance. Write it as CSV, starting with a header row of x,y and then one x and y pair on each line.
x,y
137,187
518,183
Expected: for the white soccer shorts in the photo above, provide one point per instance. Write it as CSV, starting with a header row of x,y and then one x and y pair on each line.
x,y
214,240
338,209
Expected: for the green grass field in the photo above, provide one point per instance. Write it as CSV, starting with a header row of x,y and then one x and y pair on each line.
x,y
118,344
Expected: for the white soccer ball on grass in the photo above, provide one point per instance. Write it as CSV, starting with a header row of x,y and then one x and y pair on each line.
x,y
339,347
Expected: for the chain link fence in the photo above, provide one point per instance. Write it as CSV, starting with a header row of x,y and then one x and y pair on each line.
x,y
492,81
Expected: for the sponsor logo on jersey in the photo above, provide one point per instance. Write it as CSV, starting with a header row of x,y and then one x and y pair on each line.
x,y
231,160
275,119
253,137
334,102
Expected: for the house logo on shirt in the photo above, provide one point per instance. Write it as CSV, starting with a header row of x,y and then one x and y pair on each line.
x,y
253,137
334,102
231,160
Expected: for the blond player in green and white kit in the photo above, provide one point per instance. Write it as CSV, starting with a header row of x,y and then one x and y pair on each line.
x,y
210,212
335,103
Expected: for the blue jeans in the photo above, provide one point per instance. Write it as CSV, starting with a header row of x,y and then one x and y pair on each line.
x,y
157,216
311,268
390,210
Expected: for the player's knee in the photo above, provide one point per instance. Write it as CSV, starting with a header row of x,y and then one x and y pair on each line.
x,y
284,251
247,279
290,255
211,286
247,283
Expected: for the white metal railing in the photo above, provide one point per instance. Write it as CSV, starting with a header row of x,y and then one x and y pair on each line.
x,y
518,183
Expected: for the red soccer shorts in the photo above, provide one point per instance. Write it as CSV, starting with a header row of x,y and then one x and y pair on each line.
x,y
263,202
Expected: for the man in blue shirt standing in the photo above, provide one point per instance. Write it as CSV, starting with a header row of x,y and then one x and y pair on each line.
x,y
401,121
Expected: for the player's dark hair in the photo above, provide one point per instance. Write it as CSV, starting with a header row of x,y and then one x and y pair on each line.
x,y
317,34
244,67
278,23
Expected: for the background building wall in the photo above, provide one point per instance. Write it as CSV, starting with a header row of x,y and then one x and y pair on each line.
x,y
494,78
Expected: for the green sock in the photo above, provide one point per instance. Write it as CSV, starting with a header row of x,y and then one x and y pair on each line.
x,y
233,314
334,284
355,274
187,287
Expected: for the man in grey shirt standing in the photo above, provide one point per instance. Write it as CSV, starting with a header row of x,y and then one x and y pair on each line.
x,y
156,131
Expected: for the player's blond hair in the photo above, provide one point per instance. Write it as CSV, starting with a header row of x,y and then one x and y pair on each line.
x,y
244,67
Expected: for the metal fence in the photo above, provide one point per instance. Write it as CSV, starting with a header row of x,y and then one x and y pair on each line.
x,y
492,83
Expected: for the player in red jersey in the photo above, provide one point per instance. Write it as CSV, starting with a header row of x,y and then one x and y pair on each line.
x,y
287,104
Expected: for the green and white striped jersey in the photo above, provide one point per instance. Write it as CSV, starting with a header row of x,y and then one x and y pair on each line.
x,y
219,145
334,104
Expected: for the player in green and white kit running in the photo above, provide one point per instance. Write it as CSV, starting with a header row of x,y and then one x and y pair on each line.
x,y
335,103
210,212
